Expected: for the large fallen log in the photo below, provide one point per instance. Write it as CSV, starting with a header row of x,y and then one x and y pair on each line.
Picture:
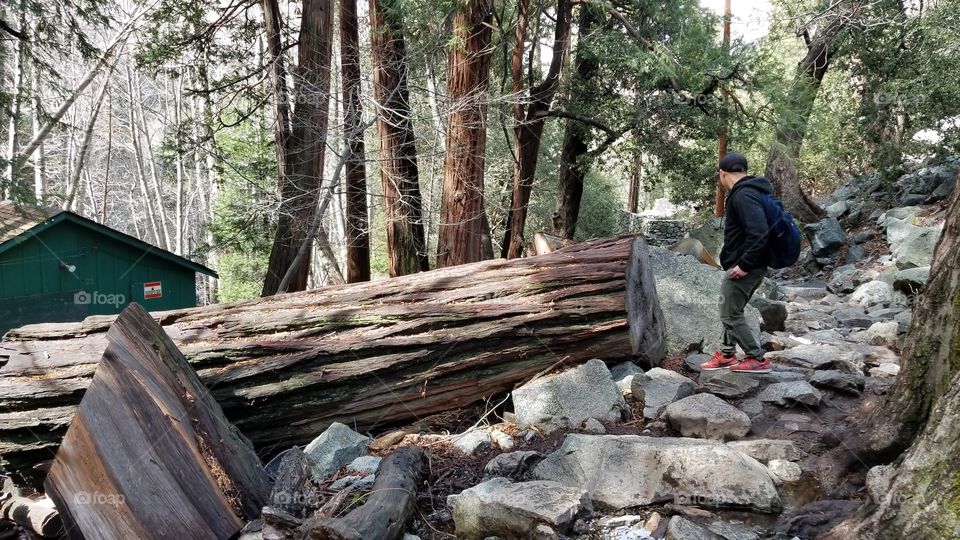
x,y
149,453
369,354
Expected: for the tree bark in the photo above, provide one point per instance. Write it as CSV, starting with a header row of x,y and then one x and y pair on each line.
x,y
138,159
460,237
300,188
284,368
530,129
406,245
148,441
782,158
9,180
574,164
357,222
74,182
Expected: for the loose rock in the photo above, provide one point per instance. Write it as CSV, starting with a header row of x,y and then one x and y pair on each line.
x,y
569,398
334,448
679,528
764,450
623,471
661,387
728,384
707,416
499,507
787,471
852,383
788,394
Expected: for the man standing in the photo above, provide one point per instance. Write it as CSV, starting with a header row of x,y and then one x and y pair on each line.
x,y
744,257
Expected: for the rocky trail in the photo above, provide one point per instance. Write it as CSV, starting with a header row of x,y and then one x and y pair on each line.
x,y
607,450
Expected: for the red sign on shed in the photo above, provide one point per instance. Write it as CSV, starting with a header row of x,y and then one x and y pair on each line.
x,y
152,290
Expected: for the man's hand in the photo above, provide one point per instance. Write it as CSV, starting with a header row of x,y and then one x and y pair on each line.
x,y
735,273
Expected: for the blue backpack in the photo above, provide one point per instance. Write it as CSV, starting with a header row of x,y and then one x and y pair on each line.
x,y
783,240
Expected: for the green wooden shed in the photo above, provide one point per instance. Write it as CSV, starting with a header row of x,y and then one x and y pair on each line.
x,y
57,266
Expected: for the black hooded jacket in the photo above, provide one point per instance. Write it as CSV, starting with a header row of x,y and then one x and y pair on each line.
x,y
745,232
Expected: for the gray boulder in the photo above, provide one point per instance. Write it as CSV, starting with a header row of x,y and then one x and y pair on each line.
x,y
764,450
844,279
693,361
812,356
853,317
623,471
772,312
872,293
878,482
851,383
334,448
826,237
708,417
917,247
911,280
689,293
788,394
898,230
365,464
729,384
793,293
568,398
472,441
883,333
679,528
498,507
623,374
512,464
837,209
785,470
661,387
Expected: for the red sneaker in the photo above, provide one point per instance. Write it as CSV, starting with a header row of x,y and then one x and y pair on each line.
x,y
752,365
719,361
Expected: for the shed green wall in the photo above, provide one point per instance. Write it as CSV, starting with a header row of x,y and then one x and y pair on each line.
x,y
34,288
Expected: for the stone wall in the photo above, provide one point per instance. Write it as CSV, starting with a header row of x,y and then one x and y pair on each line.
x,y
657,231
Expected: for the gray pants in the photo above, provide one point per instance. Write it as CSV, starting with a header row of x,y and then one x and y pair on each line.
x,y
734,295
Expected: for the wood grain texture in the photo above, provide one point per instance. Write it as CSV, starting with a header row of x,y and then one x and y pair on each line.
x,y
149,453
368,354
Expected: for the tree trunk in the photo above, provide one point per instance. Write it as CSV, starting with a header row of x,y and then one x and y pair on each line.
x,y
300,189
460,237
9,180
74,182
138,159
529,130
147,405
574,157
781,167
278,81
357,222
922,412
40,160
284,368
406,246
636,177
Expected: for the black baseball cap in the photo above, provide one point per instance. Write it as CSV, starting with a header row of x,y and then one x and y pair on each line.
x,y
733,162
